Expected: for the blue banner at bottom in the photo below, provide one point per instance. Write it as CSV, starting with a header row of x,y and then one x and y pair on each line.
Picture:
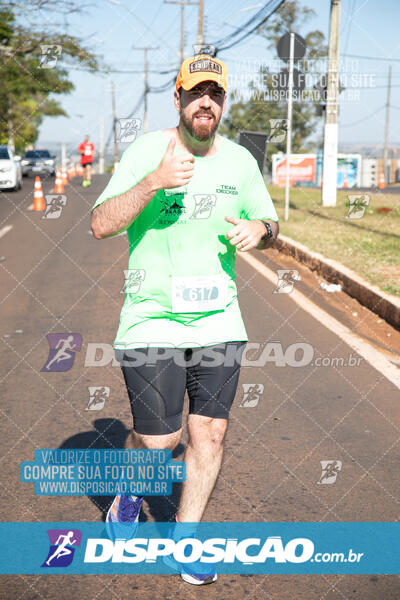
x,y
237,548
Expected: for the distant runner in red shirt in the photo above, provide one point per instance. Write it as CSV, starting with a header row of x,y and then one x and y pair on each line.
x,y
87,151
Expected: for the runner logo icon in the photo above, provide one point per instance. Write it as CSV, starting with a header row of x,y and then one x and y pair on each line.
x,y
251,394
133,280
98,396
54,205
286,280
62,547
330,471
62,351
204,204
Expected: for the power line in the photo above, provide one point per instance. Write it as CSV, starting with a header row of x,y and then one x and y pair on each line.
x,y
162,88
229,41
138,105
146,85
364,118
350,23
182,4
106,71
372,57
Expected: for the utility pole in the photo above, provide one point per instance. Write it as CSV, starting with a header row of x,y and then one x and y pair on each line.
x,y
182,4
146,85
386,169
101,149
329,183
200,39
114,115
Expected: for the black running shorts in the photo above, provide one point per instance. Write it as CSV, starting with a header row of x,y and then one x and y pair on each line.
x,y
157,378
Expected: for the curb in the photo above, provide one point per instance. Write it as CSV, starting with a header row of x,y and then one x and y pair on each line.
x,y
387,307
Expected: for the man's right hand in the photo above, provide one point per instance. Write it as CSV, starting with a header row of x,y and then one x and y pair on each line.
x,y
173,171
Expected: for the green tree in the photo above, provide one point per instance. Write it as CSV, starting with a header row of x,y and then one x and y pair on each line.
x,y
26,93
255,112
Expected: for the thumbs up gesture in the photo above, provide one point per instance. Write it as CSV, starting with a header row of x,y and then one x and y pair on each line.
x,y
174,171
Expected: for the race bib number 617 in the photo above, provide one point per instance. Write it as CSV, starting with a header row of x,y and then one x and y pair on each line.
x,y
199,294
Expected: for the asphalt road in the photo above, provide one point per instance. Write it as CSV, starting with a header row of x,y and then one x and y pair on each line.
x,y
55,277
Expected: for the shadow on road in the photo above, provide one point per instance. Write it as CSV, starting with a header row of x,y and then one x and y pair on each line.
x,y
111,434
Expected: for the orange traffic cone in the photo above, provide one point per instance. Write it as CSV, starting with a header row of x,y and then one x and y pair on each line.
x,y
38,198
71,171
59,187
64,175
381,181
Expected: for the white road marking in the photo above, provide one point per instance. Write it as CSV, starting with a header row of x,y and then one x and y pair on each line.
x,y
375,358
30,207
5,230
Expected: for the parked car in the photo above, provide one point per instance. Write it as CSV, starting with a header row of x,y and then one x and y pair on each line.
x,y
10,169
38,162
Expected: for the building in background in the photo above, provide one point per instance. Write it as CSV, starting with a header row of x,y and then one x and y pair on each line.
x,y
354,171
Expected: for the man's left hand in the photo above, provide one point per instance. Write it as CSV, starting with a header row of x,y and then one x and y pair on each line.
x,y
245,234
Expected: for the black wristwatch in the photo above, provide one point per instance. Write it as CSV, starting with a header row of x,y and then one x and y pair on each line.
x,y
268,234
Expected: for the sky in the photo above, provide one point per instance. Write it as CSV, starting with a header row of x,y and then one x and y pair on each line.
x,y
113,28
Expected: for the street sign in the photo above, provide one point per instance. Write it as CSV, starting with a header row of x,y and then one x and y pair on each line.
x,y
299,49
256,143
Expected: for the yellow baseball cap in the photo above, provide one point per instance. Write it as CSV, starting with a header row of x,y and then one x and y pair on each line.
x,y
200,68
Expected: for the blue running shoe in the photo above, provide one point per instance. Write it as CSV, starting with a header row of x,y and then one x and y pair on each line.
x,y
196,572
123,517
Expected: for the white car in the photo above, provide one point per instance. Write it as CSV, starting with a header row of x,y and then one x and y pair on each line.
x,y
10,169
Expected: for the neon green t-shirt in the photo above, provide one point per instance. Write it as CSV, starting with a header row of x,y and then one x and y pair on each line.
x,y
180,283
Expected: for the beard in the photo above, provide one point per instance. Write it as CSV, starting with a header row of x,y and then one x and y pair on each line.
x,y
200,131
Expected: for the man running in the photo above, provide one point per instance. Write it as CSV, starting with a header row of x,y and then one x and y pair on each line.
x,y
87,151
189,199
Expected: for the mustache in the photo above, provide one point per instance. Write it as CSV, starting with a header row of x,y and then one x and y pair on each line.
x,y
204,114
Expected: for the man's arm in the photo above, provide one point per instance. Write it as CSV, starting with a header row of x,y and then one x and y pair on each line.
x,y
246,234
117,213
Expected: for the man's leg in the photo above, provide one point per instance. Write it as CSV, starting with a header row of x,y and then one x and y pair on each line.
x,y
156,393
211,388
137,441
89,172
203,459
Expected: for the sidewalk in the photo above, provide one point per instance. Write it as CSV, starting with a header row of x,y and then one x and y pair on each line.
x,y
362,253
384,305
